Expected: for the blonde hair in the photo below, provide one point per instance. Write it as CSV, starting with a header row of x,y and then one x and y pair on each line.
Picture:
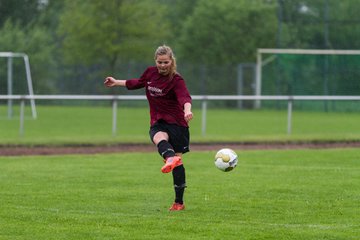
x,y
166,50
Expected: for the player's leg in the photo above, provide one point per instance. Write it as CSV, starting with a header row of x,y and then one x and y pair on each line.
x,y
170,139
171,159
161,140
179,186
165,149
178,172
179,139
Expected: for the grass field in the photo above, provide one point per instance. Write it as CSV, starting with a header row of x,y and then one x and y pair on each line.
x,y
288,194
93,125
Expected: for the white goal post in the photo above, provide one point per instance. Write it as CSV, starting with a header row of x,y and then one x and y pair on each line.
x,y
10,56
260,62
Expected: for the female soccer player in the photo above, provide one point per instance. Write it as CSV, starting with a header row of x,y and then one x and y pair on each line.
x,y
170,112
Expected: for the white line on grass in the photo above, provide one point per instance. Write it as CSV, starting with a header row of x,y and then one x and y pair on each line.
x,y
284,225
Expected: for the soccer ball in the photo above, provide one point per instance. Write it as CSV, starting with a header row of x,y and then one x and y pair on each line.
x,y
226,159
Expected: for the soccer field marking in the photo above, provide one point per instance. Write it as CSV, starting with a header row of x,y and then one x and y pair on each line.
x,y
335,168
316,226
280,225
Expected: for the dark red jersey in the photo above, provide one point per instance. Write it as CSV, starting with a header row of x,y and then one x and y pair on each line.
x,y
166,97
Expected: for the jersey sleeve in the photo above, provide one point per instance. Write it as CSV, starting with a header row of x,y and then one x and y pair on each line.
x,y
137,83
181,91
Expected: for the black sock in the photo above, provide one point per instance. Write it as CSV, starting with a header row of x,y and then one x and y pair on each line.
x,y
179,183
165,149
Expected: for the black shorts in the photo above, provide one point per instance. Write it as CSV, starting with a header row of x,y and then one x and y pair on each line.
x,y
179,136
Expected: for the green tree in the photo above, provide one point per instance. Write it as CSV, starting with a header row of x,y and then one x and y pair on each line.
x,y
226,31
344,24
319,24
111,31
20,11
37,43
178,12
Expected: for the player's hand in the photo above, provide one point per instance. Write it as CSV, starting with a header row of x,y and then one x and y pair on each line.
x,y
188,116
110,82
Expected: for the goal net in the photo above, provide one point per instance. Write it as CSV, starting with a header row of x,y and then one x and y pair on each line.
x,y
10,84
308,72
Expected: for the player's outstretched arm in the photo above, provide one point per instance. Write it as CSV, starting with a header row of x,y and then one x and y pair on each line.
x,y
112,82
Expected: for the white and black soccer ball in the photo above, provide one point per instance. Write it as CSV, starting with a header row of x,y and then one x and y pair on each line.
x,y
226,159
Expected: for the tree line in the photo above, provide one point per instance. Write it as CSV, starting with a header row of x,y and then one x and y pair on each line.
x,y
73,44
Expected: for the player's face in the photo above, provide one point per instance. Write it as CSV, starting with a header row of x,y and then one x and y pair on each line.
x,y
163,64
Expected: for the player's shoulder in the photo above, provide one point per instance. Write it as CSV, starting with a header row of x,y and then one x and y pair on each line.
x,y
179,81
178,77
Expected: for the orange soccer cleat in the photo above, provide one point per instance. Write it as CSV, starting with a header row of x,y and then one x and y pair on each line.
x,y
171,163
177,207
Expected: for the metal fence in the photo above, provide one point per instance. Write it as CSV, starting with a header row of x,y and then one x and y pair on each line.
x,y
203,98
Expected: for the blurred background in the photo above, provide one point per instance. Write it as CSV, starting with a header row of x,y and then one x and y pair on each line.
x,y
74,44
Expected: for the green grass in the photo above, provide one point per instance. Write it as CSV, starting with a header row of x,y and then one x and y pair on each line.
x,y
93,125
288,194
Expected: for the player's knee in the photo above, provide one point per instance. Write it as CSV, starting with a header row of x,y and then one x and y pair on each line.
x,y
165,149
